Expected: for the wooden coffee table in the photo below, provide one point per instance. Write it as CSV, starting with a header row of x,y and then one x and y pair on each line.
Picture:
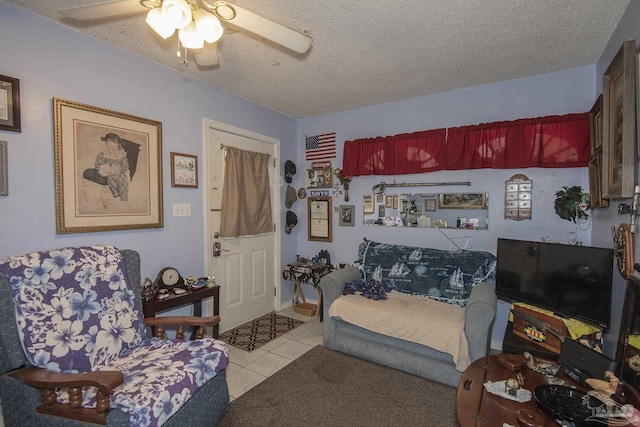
x,y
477,407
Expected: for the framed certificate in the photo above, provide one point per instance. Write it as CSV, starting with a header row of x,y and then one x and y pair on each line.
x,y
319,221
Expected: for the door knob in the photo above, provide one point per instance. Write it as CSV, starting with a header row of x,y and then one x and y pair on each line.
x,y
217,249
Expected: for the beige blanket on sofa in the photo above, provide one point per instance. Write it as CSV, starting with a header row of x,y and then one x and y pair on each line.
x,y
412,318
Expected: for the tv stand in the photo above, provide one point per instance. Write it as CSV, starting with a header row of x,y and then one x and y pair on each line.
x,y
518,345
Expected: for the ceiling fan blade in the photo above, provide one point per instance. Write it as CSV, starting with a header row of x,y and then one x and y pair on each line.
x,y
207,56
270,30
106,9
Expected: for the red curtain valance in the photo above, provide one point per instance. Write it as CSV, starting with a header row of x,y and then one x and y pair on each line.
x,y
547,142
410,153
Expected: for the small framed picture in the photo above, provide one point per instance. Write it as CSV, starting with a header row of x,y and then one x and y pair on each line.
x,y
320,178
184,170
388,202
430,205
368,204
381,211
463,201
346,215
395,202
10,104
379,198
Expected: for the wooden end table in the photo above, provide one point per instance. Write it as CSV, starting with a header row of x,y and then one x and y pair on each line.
x,y
150,308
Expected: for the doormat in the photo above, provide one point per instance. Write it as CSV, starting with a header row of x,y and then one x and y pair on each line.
x,y
260,331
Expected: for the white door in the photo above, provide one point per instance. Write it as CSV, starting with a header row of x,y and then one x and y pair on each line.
x,y
247,267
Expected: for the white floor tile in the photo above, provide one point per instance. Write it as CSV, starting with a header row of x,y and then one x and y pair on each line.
x,y
292,349
242,357
248,369
232,367
243,380
275,343
268,364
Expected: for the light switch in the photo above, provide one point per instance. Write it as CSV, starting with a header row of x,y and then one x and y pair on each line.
x,y
181,209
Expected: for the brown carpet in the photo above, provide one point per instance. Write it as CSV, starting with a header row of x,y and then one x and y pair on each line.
x,y
328,388
260,331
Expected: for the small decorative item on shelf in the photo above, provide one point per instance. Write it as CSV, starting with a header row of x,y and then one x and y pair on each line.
x,y
512,386
190,282
201,282
344,180
148,289
211,281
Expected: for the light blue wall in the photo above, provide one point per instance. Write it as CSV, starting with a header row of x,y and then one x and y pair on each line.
x,y
570,91
604,219
53,61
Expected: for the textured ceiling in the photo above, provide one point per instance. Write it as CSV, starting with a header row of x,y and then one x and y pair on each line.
x,y
369,52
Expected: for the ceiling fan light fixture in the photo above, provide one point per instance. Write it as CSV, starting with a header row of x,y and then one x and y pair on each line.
x,y
190,38
159,23
208,25
178,12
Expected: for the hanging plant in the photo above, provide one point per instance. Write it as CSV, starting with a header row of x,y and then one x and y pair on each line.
x,y
572,203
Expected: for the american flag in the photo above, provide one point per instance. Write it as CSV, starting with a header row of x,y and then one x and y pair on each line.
x,y
321,146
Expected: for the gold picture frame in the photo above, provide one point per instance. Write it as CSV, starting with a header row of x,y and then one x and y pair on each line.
x,y
4,169
319,219
463,201
108,169
184,170
10,104
619,124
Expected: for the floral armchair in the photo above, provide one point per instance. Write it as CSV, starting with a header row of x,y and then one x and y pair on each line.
x,y
75,348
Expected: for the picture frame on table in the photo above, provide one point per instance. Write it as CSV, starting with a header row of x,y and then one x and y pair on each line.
x,y
108,169
4,169
347,214
463,201
10,104
184,170
319,219
619,124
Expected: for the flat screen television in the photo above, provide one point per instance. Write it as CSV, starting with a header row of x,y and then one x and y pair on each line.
x,y
572,281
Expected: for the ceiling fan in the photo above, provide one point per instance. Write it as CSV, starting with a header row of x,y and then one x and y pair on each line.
x,y
198,23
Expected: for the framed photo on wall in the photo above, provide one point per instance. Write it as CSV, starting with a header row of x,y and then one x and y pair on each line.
x,y
619,124
347,213
319,178
10,104
108,169
463,201
368,204
319,220
184,170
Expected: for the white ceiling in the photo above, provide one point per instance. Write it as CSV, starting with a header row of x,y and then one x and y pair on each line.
x,y
368,52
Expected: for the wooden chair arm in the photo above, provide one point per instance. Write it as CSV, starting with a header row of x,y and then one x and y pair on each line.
x,y
47,382
106,381
182,320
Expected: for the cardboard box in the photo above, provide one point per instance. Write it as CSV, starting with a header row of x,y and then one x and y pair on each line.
x,y
538,330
